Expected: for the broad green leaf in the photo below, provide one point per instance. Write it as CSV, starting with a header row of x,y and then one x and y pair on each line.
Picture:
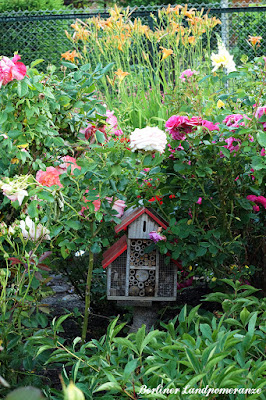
x,y
148,338
95,248
22,88
193,361
261,136
74,224
114,386
125,342
140,335
244,316
46,196
29,393
100,137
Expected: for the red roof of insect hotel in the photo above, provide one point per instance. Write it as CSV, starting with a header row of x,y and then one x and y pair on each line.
x,y
121,245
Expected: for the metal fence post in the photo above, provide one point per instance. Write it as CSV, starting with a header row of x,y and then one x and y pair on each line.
x,y
225,24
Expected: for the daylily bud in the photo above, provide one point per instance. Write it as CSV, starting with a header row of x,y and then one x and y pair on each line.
x,y
73,393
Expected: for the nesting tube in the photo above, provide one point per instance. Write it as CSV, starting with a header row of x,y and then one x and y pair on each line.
x,y
141,285
142,293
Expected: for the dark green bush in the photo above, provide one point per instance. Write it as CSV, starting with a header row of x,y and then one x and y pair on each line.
x,y
30,5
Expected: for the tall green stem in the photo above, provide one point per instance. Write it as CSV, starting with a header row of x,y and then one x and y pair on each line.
x,y
87,298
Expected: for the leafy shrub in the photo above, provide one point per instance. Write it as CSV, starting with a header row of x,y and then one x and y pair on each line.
x,y
196,349
30,5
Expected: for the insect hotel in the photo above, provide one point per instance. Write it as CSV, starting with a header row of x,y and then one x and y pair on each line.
x,y
135,273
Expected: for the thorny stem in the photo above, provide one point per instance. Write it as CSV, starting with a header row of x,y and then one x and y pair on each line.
x,y
88,288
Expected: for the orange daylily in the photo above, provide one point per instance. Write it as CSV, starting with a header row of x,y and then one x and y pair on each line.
x,y
70,55
121,74
254,40
166,52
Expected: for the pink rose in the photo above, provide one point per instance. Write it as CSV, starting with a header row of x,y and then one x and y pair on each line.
x,y
111,120
178,126
49,177
195,121
199,200
186,74
231,146
210,126
261,200
11,69
259,113
257,199
263,152
118,206
233,120
252,197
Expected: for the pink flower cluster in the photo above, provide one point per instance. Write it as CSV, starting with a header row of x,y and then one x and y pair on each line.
x,y
233,145
233,120
111,120
118,206
156,237
50,176
259,113
11,70
257,200
186,74
179,126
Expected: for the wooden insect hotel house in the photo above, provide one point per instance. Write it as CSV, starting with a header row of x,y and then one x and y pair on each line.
x,y
135,273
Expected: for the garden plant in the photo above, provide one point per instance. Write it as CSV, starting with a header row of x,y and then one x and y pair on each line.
x,y
161,121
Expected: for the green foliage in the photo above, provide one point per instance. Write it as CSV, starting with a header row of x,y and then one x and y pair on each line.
x,y
30,5
196,349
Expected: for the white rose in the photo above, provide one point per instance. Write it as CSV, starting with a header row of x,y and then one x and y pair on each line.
x,y
148,139
32,231
223,59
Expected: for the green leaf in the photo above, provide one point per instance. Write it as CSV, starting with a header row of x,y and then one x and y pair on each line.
x,y
36,62
206,331
125,342
193,361
148,338
46,196
108,386
32,209
22,88
69,65
14,134
244,316
261,137
29,393
95,248
252,323
76,225
56,323
129,369
100,137
140,335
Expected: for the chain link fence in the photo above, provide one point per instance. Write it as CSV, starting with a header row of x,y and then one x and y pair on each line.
x,y
41,35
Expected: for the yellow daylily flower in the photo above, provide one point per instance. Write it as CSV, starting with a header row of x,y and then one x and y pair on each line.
x,y
166,52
